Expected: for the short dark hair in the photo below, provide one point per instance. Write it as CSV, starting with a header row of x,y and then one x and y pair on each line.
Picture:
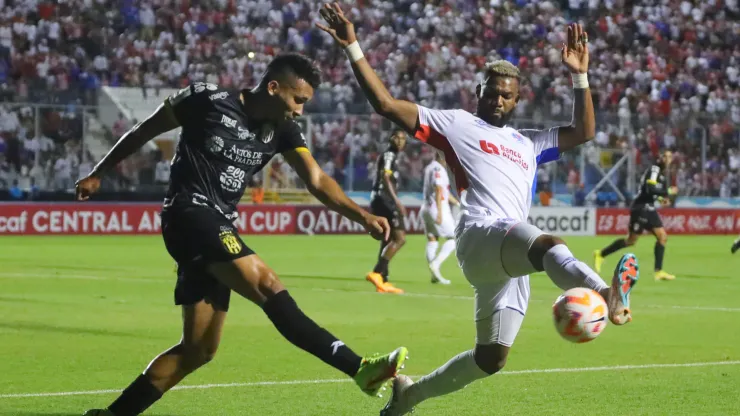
x,y
292,64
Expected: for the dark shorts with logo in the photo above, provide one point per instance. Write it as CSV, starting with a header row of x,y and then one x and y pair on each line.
x,y
196,236
644,218
382,207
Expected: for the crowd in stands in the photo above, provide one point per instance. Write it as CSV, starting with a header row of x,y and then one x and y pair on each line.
x,y
664,74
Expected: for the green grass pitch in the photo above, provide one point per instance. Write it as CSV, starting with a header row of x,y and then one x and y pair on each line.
x,y
84,315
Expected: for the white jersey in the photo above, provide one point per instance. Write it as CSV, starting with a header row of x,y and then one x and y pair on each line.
x,y
436,175
494,166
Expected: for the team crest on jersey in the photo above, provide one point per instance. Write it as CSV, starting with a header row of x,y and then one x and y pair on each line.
x,y
215,144
519,138
230,242
267,133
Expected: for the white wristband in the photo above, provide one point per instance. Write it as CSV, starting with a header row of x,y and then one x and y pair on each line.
x,y
353,51
580,81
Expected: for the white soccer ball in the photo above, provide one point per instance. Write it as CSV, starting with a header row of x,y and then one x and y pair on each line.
x,y
580,314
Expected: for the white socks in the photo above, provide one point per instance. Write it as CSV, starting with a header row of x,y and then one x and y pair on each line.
x,y
432,250
568,272
457,373
447,248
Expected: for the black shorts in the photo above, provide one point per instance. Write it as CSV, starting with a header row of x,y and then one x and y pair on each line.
x,y
388,210
196,237
644,218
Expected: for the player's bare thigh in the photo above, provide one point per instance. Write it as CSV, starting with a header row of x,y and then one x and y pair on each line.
x,y
248,276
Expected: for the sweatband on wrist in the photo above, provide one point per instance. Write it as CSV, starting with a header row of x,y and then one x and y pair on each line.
x,y
580,81
353,51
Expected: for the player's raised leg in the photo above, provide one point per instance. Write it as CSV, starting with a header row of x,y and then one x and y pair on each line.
x,y
615,246
550,254
661,238
253,279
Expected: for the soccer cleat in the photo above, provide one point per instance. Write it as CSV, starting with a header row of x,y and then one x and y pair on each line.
x,y
661,275
98,412
598,261
625,278
377,280
389,288
437,275
398,403
376,371
735,246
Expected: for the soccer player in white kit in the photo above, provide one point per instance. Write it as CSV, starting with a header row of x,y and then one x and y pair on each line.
x,y
437,215
496,166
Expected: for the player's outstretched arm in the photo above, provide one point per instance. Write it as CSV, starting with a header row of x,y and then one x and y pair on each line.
x,y
575,57
328,191
403,113
161,121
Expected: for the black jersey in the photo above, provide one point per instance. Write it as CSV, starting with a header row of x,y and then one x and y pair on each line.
x,y
387,163
652,185
220,148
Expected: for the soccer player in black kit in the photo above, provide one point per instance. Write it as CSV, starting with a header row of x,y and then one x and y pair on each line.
x,y
226,137
384,202
644,217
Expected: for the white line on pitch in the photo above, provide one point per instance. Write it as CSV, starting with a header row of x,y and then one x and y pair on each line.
x,y
346,380
52,275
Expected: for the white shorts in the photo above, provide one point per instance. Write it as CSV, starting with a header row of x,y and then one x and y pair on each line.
x,y
432,229
493,254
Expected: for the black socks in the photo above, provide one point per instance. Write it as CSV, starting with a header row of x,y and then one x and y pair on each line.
x,y
136,398
614,247
305,334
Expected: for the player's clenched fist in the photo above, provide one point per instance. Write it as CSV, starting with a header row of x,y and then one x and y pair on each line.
x,y
86,187
378,227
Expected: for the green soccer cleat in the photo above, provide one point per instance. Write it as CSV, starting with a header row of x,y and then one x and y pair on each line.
x,y
98,412
378,370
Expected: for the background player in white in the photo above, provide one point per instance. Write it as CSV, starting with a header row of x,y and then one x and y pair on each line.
x,y
496,166
437,215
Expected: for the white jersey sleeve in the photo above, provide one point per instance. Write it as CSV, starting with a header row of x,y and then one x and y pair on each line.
x,y
545,144
433,125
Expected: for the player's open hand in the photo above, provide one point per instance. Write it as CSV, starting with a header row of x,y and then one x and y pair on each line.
x,y
574,52
338,26
86,187
378,227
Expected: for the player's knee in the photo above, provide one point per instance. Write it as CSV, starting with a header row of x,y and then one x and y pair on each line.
x,y
630,240
491,358
541,246
400,240
545,242
663,238
197,355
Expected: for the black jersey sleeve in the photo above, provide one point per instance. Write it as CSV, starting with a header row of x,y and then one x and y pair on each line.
x,y
290,137
190,101
653,183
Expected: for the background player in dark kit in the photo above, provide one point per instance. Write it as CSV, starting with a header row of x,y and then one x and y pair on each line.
x,y
643,215
226,137
385,203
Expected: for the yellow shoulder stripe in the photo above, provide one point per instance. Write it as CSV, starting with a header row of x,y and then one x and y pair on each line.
x,y
302,150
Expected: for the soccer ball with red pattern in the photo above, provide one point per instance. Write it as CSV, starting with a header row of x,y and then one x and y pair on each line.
x,y
580,314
